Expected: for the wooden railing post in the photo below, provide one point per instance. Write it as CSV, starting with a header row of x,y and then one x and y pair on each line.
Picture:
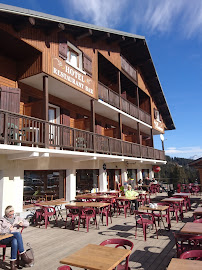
x,y
5,128
46,135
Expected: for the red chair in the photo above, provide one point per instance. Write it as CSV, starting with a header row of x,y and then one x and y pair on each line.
x,y
198,220
105,211
175,208
44,213
192,254
123,204
73,213
64,267
120,243
158,215
185,242
86,215
145,221
178,188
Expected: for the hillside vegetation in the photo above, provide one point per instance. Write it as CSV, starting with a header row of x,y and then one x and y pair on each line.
x,y
177,171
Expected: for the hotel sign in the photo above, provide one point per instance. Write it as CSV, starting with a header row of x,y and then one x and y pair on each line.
x,y
158,125
71,76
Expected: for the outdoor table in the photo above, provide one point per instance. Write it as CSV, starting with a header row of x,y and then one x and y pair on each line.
x,y
95,196
89,204
185,195
197,212
182,264
5,236
192,228
159,208
173,200
96,257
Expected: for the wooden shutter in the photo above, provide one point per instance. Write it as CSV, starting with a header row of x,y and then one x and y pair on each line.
x,y
66,135
62,46
65,118
87,64
10,99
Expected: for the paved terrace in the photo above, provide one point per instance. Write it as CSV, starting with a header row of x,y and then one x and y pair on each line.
x,y
54,243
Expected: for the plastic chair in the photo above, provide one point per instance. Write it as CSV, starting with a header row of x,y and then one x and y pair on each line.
x,y
105,211
73,213
198,220
145,222
44,213
185,242
120,243
64,267
86,215
192,254
166,215
123,204
175,208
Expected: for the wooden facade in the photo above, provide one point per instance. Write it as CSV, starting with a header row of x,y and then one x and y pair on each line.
x,y
107,76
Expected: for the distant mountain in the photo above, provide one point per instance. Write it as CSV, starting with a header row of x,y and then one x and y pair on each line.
x,y
177,170
195,157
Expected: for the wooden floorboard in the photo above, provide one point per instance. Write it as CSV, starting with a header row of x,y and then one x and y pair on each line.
x,y
52,244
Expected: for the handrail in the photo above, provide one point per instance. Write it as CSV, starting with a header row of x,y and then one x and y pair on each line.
x,y
138,116
29,131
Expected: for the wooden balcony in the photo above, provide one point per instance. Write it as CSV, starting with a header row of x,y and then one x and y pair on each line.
x,y
16,129
111,97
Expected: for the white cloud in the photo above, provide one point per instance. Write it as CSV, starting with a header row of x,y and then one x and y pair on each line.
x,y
152,16
106,13
184,151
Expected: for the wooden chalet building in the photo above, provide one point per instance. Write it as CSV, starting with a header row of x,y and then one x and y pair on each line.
x,y
79,106
197,164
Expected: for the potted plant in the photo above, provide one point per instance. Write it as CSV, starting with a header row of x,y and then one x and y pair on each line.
x,y
122,190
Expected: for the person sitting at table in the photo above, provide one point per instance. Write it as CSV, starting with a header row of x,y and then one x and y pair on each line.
x,y
132,193
11,224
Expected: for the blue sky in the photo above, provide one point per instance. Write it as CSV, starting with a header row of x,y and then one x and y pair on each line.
x,y
173,30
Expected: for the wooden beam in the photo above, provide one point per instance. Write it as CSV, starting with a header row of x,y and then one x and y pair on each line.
x,y
84,35
100,37
127,42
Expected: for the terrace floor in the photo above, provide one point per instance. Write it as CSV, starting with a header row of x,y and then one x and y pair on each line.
x,y
54,243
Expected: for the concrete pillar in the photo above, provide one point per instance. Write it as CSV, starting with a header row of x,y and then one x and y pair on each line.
x,y
151,174
102,180
139,174
11,192
18,184
70,184
124,176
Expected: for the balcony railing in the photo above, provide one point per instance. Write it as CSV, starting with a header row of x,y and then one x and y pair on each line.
x,y
16,129
111,97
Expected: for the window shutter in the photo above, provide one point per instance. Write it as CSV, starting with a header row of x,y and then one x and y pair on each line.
x,y
10,99
62,47
87,64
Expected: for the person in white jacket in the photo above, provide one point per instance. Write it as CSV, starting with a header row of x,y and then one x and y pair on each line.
x,y
11,224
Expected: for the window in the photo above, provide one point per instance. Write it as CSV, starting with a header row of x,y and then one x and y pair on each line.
x,y
157,115
74,56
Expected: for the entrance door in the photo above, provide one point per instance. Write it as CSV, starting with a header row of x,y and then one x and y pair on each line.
x,y
113,179
54,117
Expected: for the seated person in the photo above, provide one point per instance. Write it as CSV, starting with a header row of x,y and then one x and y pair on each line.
x,y
154,181
132,193
140,182
11,224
